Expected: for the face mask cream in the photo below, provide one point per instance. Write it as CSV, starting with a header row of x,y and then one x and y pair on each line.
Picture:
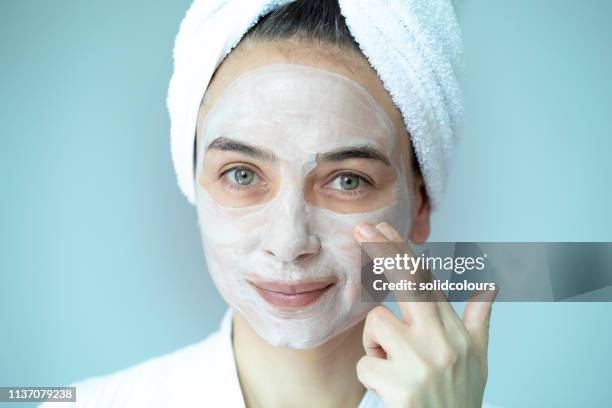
x,y
258,253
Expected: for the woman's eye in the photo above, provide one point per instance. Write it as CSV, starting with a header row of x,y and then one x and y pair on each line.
x,y
241,176
346,182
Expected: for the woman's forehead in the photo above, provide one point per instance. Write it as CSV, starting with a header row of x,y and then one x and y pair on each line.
x,y
253,55
308,107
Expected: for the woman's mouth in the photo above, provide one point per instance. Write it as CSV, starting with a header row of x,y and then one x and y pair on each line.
x,y
294,295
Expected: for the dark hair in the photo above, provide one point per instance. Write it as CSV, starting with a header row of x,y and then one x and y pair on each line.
x,y
313,21
310,20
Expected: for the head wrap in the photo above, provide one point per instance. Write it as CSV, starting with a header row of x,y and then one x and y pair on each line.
x,y
414,45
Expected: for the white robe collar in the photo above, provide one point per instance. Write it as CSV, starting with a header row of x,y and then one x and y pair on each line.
x,y
236,399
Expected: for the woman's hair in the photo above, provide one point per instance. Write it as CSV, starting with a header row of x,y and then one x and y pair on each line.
x,y
313,21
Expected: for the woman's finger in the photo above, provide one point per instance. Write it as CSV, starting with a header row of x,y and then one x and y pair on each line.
x,y
382,333
414,311
476,318
445,309
373,373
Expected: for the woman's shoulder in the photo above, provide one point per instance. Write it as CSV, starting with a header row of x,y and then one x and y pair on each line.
x,y
152,383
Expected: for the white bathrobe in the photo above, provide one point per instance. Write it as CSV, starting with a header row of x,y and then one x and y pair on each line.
x,y
202,374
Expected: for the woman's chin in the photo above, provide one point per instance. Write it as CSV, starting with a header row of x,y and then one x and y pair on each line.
x,y
306,333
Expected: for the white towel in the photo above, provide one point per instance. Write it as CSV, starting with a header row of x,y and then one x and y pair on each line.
x,y
414,45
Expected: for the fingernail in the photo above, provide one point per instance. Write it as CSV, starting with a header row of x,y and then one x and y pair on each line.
x,y
387,231
366,230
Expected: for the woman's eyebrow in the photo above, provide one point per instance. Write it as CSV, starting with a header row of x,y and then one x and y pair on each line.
x,y
356,152
231,145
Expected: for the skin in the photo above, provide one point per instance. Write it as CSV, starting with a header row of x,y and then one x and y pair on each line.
x,y
395,357
251,55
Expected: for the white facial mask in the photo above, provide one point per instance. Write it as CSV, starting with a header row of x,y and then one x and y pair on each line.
x,y
295,112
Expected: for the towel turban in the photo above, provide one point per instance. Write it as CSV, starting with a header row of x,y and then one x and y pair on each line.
x,y
415,47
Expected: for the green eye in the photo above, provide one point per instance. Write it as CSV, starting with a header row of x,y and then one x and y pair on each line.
x,y
243,176
349,181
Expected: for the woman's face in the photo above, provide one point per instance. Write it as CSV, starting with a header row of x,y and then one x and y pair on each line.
x,y
295,150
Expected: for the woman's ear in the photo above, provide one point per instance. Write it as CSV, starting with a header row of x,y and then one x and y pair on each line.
x,y
419,232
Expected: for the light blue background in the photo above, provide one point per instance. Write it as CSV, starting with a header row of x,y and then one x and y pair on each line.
x,y
101,264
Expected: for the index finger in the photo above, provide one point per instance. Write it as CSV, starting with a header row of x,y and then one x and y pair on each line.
x,y
416,306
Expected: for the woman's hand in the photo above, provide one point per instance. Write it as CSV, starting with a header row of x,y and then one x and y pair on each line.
x,y
431,357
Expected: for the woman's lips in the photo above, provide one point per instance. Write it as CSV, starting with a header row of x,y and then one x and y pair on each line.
x,y
292,295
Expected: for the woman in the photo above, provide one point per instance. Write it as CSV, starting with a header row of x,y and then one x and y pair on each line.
x,y
312,138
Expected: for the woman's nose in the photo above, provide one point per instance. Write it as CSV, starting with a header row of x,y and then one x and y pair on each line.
x,y
288,238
